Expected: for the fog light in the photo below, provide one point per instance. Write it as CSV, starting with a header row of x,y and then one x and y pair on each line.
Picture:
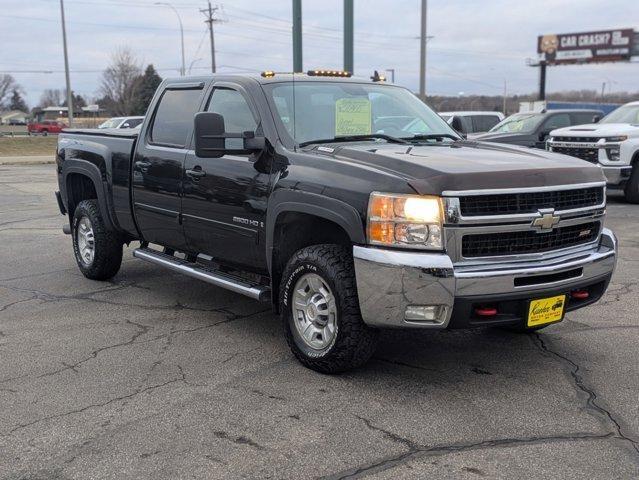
x,y
425,313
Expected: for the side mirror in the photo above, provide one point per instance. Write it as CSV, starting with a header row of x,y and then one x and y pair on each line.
x,y
126,125
211,135
544,133
596,119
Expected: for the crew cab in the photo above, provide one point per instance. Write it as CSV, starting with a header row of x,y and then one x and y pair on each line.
x,y
531,129
45,127
308,191
612,143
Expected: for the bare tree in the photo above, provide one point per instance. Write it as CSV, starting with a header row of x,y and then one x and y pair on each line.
x,y
51,97
7,86
121,81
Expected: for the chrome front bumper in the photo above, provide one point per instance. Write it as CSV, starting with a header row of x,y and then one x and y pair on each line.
x,y
390,280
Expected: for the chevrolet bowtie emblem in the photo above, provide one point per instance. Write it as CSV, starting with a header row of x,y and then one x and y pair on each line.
x,y
546,221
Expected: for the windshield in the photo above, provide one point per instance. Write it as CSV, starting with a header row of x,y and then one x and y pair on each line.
x,y
625,114
111,123
519,123
310,111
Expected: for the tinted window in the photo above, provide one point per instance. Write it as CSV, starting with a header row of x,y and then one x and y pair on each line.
x,y
585,117
174,117
560,120
483,123
235,110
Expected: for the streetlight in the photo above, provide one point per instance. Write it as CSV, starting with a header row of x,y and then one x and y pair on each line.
x,y
167,4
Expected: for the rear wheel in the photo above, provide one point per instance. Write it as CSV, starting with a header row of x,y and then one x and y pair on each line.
x,y
632,187
98,251
320,310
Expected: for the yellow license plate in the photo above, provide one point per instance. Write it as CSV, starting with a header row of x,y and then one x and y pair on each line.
x,y
546,310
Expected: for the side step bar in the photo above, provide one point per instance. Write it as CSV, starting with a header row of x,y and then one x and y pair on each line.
x,y
201,272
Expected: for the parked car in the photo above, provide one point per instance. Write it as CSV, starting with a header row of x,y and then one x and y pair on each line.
x,y
531,129
45,127
313,196
122,122
613,143
472,122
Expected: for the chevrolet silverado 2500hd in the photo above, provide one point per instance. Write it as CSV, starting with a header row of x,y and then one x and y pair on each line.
x,y
349,205
613,143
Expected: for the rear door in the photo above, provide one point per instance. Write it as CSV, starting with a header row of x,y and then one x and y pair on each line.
x,y
224,206
158,165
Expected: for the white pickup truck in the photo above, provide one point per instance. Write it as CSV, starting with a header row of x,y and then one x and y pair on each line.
x,y
613,143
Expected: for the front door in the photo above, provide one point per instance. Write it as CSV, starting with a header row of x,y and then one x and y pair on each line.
x,y
158,167
224,203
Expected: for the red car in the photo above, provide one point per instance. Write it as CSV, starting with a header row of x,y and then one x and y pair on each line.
x,y
45,127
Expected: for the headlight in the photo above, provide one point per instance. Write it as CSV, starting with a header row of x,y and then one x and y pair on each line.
x,y
620,138
409,221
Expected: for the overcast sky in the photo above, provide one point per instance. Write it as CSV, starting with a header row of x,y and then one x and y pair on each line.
x,y
476,45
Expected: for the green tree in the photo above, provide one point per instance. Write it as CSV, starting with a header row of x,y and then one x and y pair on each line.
x,y
147,85
78,101
17,102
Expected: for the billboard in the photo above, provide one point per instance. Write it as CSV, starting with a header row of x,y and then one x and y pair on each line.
x,y
587,47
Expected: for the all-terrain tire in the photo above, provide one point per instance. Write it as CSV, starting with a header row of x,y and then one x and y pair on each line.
x,y
107,245
631,191
354,342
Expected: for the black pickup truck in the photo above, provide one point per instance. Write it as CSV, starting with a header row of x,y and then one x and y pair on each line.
x,y
347,204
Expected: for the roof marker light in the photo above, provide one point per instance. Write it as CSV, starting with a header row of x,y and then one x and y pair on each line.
x,y
328,73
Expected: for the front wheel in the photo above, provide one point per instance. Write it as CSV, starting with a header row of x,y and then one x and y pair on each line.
x,y
320,310
98,250
632,187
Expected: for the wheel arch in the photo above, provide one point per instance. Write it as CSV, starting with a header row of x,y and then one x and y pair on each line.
x,y
78,177
305,219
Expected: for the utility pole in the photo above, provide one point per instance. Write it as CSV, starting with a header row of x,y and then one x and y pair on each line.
x,y
348,35
505,95
209,13
603,91
422,53
66,67
297,36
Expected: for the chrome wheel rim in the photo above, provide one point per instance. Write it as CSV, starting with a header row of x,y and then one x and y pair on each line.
x,y
314,311
86,241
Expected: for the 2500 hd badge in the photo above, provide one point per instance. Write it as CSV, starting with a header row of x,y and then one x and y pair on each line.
x,y
361,213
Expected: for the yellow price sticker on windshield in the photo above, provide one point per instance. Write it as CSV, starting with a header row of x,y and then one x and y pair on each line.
x,y
352,116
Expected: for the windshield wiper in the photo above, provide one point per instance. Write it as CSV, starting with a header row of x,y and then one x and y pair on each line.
x,y
431,136
354,138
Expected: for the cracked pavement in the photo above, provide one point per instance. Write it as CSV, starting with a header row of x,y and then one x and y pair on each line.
x,y
158,376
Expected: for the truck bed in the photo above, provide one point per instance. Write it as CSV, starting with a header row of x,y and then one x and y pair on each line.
x,y
110,150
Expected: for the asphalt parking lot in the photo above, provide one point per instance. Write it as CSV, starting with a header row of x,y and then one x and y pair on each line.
x,y
155,375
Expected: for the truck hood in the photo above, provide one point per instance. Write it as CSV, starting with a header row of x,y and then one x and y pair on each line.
x,y
512,138
469,165
598,130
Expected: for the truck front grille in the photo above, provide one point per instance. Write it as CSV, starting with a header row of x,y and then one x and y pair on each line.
x,y
530,202
528,241
588,154
577,139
